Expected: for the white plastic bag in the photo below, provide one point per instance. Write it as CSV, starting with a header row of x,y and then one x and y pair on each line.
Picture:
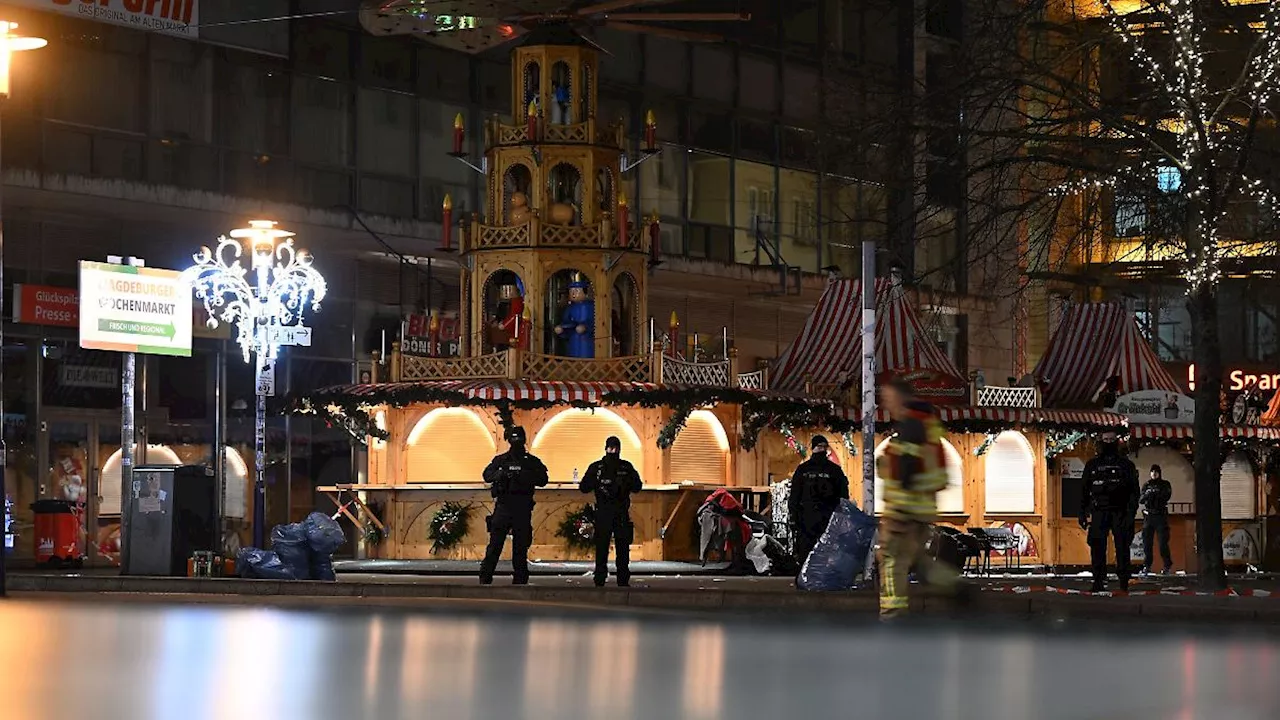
x,y
755,553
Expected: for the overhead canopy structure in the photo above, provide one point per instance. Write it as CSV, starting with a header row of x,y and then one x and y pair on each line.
x,y
828,351
1094,343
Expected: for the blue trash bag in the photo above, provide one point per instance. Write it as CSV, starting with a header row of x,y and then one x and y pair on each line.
x,y
290,543
324,534
255,563
322,568
841,552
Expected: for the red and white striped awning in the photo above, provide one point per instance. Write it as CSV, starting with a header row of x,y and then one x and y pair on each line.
x,y
828,350
1010,416
497,390
1184,432
1096,342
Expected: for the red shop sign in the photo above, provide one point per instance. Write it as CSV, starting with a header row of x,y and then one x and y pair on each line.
x,y
46,305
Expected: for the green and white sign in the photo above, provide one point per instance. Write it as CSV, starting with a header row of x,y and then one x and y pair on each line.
x,y
134,309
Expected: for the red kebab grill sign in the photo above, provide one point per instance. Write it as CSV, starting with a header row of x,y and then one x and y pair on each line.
x,y
170,17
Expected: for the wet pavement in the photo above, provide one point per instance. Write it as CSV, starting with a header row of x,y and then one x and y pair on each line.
x,y
99,659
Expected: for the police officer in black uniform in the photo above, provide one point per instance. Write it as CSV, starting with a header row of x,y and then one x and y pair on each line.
x,y
613,480
513,476
817,487
1109,504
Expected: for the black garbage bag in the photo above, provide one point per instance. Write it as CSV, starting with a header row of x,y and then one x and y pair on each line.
x,y
322,568
290,543
841,552
324,534
255,563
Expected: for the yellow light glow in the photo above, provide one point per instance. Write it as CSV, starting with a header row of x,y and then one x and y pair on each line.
x,y
713,422
10,44
449,445
380,421
574,439
262,236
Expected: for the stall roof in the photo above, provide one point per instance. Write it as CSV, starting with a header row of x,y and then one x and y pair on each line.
x,y
1161,431
828,350
1010,417
1093,343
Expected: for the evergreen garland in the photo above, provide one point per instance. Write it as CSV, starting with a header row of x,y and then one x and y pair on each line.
x,y
671,429
578,528
449,526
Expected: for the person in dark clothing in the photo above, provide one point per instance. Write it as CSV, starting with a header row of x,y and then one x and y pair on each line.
x,y
1155,519
512,476
1109,505
817,487
612,479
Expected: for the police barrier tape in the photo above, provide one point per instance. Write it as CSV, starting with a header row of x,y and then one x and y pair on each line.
x,y
1230,592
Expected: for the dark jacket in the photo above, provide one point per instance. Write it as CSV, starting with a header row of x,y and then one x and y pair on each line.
x,y
514,475
1110,485
817,487
1155,497
612,482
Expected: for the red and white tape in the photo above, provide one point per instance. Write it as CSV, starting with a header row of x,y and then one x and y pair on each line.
x,y
1230,592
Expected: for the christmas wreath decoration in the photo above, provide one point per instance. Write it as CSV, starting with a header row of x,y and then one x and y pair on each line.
x,y
449,525
578,528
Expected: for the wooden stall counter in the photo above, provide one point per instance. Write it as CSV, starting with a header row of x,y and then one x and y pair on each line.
x,y
664,517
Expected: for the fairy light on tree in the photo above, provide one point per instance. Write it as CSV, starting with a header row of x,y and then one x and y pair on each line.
x,y
265,303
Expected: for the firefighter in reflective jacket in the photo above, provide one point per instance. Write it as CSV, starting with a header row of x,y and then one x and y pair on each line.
x,y
512,476
817,487
913,470
612,479
1109,505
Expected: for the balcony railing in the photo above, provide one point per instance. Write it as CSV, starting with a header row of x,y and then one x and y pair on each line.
x,y
498,134
515,364
536,233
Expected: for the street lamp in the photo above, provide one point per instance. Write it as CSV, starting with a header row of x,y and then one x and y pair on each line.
x,y
266,305
9,44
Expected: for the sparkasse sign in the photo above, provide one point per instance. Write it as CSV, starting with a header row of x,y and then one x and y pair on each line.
x,y
134,309
171,17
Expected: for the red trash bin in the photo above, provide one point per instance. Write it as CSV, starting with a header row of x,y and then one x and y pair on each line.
x,y
57,533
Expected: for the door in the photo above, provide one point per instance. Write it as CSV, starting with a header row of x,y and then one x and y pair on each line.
x,y
75,453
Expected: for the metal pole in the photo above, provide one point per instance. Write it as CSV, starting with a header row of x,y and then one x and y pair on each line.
x,y
219,442
259,459
869,375
127,376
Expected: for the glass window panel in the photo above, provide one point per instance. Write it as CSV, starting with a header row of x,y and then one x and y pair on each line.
x,y
387,133
91,85
756,215
253,108
321,121
181,90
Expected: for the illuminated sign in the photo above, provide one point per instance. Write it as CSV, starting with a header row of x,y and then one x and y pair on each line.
x,y
1155,406
170,17
450,23
1238,380
134,309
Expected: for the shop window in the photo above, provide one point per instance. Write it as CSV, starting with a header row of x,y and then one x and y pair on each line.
x,y
950,499
574,439
701,451
1010,477
449,445
1239,494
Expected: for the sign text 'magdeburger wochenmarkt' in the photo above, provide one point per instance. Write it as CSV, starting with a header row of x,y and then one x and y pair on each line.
x,y
134,309
171,17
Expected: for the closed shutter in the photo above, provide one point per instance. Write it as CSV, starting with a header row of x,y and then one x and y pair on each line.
x,y
951,498
574,439
109,481
1011,484
449,445
1238,496
700,452
1176,469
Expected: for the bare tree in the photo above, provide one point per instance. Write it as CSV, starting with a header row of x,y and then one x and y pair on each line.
x,y
1078,137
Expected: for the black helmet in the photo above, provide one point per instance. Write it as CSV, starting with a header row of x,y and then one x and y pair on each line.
x,y
515,436
613,443
818,441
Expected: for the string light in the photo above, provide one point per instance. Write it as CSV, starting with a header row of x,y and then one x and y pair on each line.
x,y
1204,122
